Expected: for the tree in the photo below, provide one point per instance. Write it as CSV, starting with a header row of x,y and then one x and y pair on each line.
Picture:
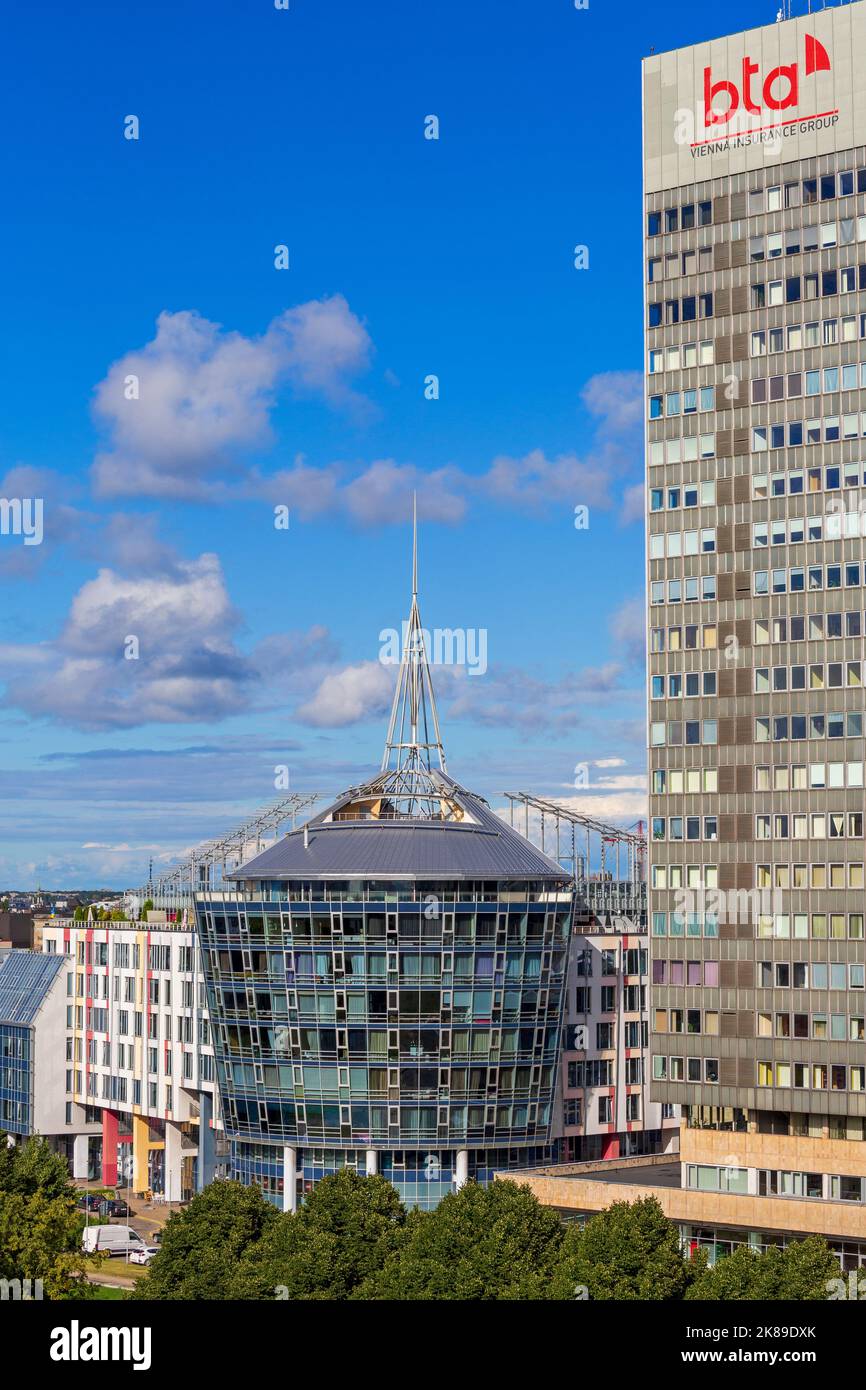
x,y
800,1272
479,1243
630,1251
33,1167
40,1238
40,1230
80,914
342,1234
146,906
201,1246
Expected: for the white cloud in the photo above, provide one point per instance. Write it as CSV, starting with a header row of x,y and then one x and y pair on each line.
x,y
187,669
320,345
187,605
356,693
205,396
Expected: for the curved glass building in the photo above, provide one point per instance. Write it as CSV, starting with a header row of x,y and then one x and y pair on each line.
x,y
386,983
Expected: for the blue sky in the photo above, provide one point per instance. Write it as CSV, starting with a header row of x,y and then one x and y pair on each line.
x,y
154,258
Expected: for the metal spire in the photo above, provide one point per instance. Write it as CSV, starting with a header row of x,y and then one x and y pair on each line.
x,y
414,545
410,742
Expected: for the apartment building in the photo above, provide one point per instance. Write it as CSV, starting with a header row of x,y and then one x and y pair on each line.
x,y
607,1109
139,1057
754,245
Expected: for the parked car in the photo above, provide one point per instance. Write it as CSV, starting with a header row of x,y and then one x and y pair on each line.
x,y
116,1240
117,1206
143,1254
90,1201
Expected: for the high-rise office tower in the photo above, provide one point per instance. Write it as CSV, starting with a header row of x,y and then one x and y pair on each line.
x,y
755,313
754,259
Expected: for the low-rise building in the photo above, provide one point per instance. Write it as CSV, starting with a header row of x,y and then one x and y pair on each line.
x,y
138,1053
607,1110
17,931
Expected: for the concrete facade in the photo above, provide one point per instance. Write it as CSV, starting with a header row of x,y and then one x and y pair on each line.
x,y
755,313
755,340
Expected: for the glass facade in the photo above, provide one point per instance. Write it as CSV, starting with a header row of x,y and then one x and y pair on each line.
x,y
16,1079
386,1025
386,985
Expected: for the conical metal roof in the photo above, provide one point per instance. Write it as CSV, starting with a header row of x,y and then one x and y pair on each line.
x,y
411,820
360,837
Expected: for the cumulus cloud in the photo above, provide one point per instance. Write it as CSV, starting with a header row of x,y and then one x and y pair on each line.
x,y
533,481
185,408
357,692
190,603
185,665
131,542
141,649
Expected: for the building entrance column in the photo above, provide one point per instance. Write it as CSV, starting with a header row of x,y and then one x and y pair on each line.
x,y
109,1148
461,1176
290,1178
81,1157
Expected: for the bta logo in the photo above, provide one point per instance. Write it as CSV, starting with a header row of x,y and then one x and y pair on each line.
x,y
780,90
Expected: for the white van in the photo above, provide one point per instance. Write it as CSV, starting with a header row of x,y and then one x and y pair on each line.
x,y
116,1240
